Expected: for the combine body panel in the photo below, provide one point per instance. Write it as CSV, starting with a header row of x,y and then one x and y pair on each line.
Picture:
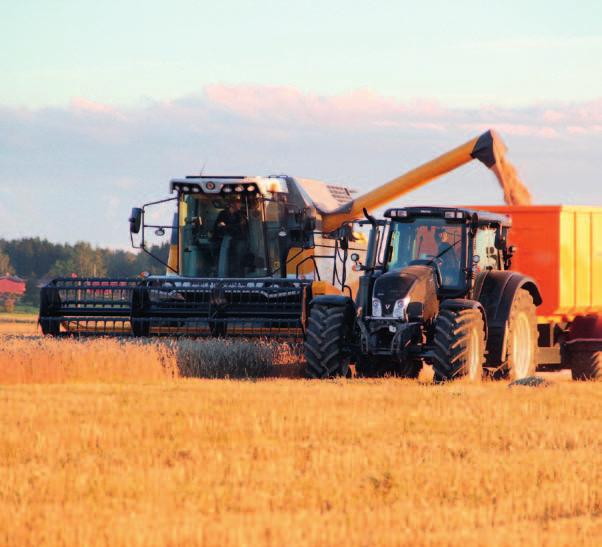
x,y
560,246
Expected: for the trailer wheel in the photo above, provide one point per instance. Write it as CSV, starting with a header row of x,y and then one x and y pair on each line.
x,y
325,352
522,337
584,361
459,342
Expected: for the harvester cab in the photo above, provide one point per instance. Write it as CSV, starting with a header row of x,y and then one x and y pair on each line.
x,y
435,289
234,227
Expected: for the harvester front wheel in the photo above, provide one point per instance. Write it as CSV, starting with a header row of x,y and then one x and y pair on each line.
x,y
373,367
522,337
459,345
325,352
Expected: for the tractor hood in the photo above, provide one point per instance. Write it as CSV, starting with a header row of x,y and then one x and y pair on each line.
x,y
395,290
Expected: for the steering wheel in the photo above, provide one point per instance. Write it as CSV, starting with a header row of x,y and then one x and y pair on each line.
x,y
431,261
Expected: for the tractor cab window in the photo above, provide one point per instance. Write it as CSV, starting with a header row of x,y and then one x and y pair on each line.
x,y
485,250
430,239
229,236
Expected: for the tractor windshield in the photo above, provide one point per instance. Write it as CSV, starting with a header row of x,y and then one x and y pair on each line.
x,y
430,239
230,236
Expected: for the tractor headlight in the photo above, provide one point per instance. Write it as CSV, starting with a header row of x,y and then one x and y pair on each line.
x,y
377,309
399,309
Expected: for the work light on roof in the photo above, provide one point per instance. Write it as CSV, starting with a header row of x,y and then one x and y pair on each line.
x,y
238,188
250,188
185,188
227,189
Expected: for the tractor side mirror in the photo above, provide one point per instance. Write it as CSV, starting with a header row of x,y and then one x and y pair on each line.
x,y
357,265
415,311
135,220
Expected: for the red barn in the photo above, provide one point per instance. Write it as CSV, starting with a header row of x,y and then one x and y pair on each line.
x,y
11,285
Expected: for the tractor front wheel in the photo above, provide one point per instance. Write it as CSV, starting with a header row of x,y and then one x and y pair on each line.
x,y
327,332
459,345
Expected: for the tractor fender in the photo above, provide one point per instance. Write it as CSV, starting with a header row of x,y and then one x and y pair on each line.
x,y
465,304
495,290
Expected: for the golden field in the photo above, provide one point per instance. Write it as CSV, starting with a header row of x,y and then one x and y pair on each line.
x,y
94,453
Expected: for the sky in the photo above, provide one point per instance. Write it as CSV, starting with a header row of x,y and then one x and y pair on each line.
x,y
101,103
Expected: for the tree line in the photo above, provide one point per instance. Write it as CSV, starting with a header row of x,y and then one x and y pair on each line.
x,y
37,260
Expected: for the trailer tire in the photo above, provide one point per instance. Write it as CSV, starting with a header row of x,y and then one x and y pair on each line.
x,y
459,345
325,353
585,363
521,350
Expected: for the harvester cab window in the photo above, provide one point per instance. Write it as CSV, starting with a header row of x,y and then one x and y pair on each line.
x,y
426,239
229,236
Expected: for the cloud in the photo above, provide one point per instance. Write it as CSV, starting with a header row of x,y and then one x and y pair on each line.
x,y
72,173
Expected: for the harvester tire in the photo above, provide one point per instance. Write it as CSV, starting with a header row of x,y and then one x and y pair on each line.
x,y
373,367
327,332
585,364
459,345
522,338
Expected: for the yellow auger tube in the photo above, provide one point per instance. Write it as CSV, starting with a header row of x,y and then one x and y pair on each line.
x,y
487,148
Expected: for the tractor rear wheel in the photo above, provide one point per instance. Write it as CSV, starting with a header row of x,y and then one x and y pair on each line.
x,y
459,342
325,353
522,337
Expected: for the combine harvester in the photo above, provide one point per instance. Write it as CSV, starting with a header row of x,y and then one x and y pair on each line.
x,y
249,255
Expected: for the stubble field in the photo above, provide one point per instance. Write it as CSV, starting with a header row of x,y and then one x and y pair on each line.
x,y
105,442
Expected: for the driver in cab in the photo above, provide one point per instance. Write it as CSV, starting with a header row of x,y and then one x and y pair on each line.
x,y
231,221
447,257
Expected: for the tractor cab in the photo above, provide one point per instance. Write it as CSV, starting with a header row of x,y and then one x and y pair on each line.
x,y
456,244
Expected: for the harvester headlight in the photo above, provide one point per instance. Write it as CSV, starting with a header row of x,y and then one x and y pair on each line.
x,y
185,188
251,188
377,309
399,309
227,189
238,188
196,189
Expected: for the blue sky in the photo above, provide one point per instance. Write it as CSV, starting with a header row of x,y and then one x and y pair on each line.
x,y
102,102
463,52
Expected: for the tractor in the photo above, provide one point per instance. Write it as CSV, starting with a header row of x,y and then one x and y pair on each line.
x,y
437,288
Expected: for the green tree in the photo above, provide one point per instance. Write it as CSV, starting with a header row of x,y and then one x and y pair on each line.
x,y
84,261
